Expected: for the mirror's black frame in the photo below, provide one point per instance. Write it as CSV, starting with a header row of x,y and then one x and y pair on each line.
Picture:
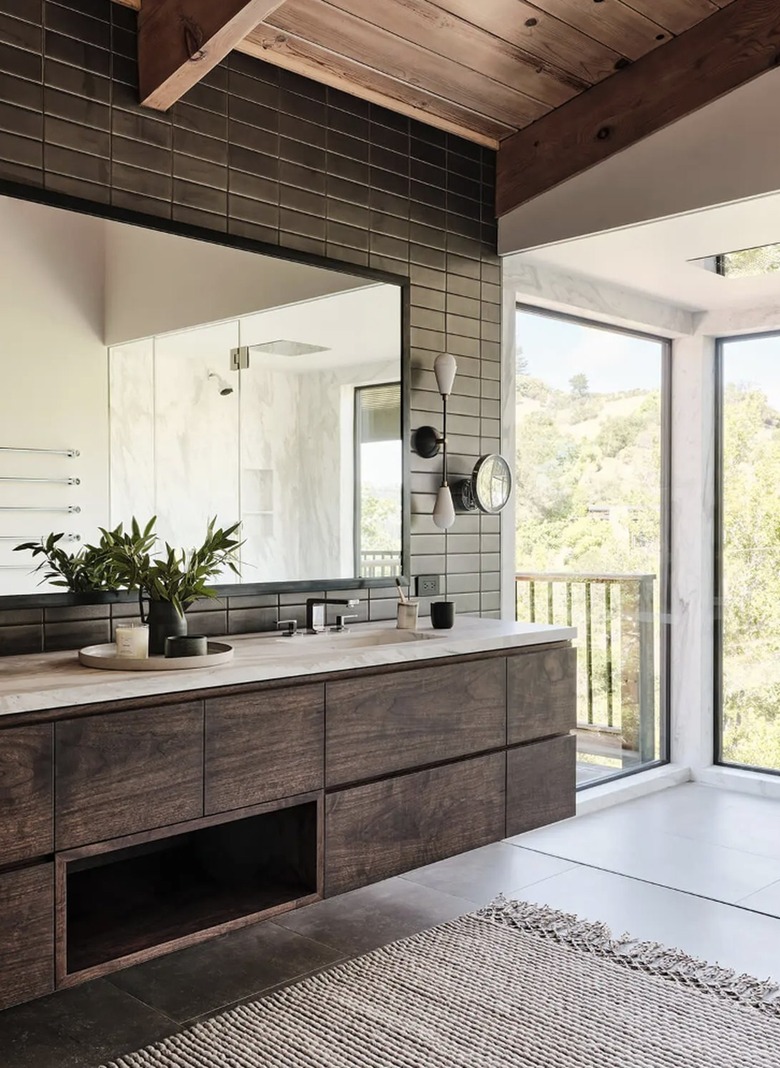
x,y
198,233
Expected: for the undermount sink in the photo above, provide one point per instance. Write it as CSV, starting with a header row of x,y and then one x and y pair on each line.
x,y
333,642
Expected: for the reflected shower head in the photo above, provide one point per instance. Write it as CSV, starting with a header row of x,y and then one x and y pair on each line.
x,y
225,389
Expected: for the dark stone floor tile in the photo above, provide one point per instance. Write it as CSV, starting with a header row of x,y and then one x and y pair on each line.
x,y
374,915
202,979
79,1028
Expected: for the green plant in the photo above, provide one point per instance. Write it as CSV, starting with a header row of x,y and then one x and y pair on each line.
x,y
92,568
178,576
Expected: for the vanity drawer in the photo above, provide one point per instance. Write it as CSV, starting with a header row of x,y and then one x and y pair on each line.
x,y
384,723
541,694
264,746
26,803
540,783
126,772
385,828
26,934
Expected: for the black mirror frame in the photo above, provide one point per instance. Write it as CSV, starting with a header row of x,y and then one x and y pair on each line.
x,y
198,233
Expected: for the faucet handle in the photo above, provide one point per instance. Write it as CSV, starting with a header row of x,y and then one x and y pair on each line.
x,y
340,623
290,624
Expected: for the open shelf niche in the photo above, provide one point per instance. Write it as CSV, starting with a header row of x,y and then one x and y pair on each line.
x,y
126,900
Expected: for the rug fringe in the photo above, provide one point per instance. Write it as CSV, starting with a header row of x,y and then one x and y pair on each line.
x,y
651,957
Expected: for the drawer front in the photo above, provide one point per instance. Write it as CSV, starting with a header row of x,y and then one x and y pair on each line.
x,y
265,746
26,934
26,802
388,723
541,694
540,784
385,828
126,772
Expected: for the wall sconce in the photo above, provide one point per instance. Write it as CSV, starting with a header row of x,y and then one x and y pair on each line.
x,y
427,442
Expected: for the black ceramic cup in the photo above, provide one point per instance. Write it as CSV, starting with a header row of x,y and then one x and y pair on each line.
x,y
442,614
186,645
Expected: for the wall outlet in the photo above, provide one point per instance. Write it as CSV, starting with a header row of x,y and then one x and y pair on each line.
x,y
427,586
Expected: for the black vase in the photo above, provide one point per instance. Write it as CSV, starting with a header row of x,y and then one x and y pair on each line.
x,y
165,621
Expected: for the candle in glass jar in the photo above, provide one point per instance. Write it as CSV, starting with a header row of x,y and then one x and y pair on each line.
x,y
132,640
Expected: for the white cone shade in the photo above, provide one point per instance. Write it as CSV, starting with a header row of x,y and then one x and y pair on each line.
x,y
444,509
444,367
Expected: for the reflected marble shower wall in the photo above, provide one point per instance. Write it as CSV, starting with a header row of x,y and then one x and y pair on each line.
x,y
272,509
174,437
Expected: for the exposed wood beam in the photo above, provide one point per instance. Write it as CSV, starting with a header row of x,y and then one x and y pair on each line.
x,y
736,44
179,41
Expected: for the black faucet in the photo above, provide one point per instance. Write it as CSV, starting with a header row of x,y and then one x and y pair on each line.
x,y
316,608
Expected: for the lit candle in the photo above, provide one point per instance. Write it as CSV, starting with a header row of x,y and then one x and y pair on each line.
x,y
132,640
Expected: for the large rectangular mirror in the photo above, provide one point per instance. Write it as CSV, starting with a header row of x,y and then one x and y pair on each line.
x,y
147,373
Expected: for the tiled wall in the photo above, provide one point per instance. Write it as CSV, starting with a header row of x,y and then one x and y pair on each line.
x,y
261,153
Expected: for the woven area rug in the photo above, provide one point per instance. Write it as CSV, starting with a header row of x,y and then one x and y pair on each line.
x,y
511,985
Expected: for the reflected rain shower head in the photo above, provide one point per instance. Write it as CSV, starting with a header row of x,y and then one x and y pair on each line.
x,y
225,389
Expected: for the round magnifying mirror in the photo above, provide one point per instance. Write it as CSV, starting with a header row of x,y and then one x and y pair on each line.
x,y
490,485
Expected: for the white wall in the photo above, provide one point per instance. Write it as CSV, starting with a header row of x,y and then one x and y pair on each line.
x,y
724,152
54,382
156,283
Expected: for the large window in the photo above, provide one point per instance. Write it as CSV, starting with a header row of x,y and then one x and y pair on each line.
x,y
748,576
592,537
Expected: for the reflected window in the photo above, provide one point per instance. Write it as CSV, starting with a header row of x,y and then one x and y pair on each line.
x,y
378,467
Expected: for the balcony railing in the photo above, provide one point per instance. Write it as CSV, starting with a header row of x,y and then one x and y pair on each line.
x,y
380,564
616,684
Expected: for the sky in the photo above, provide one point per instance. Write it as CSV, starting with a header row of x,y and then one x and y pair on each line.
x,y
558,349
754,361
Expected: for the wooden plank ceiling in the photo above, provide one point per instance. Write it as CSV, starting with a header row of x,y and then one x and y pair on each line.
x,y
480,68
484,69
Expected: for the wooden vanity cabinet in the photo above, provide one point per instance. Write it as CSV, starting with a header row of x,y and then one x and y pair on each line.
x,y
26,773
541,694
26,934
317,786
540,783
124,772
263,746
380,724
395,825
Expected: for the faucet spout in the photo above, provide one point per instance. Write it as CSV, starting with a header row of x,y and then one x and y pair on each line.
x,y
316,609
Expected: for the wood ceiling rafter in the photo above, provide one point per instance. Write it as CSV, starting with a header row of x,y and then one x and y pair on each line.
x,y
179,41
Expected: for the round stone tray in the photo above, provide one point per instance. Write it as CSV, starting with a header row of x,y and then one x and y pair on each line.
x,y
104,656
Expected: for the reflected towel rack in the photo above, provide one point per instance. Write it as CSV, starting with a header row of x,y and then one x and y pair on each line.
x,y
70,509
48,452
24,478
32,537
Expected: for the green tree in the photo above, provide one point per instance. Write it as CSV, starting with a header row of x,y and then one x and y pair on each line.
x,y
579,385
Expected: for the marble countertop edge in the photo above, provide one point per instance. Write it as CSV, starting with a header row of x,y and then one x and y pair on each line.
x,y
49,681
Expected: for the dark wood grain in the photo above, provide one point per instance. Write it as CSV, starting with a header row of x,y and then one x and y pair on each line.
x,y
540,783
263,747
434,713
26,934
134,951
180,41
26,803
384,828
720,53
541,695
127,772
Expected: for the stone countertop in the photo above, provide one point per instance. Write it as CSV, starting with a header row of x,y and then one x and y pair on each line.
x,y
57,680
